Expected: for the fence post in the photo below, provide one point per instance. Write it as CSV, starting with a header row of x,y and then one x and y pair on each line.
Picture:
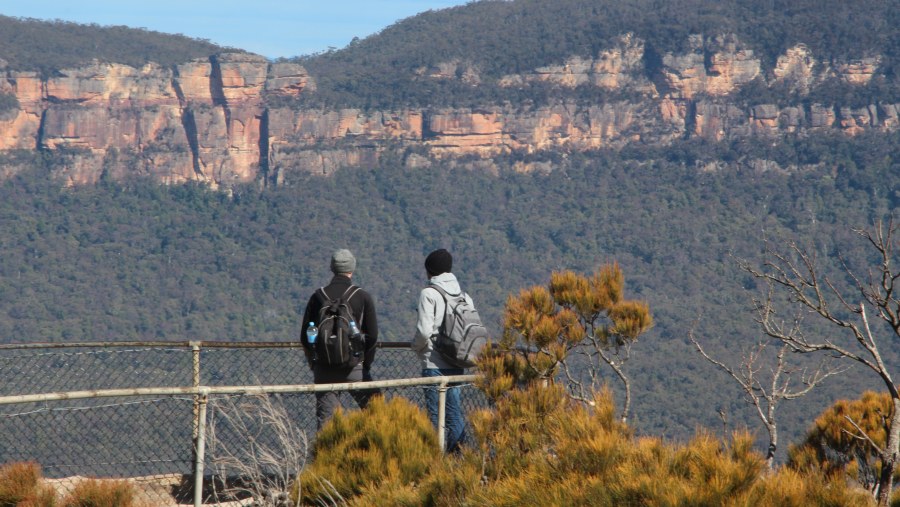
x,y
195,383
442,415
200,449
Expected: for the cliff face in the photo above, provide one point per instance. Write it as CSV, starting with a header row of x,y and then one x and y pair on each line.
x,y
200,121
208,120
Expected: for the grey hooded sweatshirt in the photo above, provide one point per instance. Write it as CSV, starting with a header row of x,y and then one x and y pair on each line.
x,y
431,314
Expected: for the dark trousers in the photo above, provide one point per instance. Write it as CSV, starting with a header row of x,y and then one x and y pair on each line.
x,y
328,402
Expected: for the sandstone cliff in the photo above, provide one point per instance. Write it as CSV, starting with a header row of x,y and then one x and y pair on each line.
x,y
210,120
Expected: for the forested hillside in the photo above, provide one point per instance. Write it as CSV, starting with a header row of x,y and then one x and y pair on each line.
x,y
497,38
142,261
47,46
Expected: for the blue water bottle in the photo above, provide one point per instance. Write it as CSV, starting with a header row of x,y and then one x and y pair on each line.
x,y
311,333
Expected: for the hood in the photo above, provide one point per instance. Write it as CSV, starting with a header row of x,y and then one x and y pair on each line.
x,y
446,281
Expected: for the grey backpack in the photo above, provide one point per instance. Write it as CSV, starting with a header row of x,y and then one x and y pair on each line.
x,y
461,335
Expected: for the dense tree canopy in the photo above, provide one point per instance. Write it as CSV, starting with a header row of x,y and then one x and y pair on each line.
x,y
497,38
46,46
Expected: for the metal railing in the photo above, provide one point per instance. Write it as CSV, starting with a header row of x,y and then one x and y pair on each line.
x,y
89,409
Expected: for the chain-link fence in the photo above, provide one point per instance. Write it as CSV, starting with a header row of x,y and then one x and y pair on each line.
x,y
150,438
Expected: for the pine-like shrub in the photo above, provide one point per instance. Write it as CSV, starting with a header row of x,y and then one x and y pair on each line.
x,y
386,447
834,446
791,488
581,455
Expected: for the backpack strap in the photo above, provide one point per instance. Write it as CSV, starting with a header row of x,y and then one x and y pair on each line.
x,y
443,291
355,289
445,296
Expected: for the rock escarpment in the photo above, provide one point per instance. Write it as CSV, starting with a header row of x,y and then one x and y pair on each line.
x,y
211,120
201,120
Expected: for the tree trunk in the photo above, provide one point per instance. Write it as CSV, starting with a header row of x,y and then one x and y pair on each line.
x,y
889,458
624,378
773,446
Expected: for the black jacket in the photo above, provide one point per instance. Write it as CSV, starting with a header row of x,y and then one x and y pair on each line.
x,y
363,311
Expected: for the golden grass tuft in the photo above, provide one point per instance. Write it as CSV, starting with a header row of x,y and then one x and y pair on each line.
x,y
100,493
20,485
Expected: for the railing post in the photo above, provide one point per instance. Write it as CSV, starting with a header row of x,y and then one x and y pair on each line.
x,y
195,382
200,449
442,415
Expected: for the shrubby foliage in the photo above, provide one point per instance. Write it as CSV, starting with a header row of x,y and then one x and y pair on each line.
x,y
100,493
20,483
837,442
8,103
390,444
539,447
544,326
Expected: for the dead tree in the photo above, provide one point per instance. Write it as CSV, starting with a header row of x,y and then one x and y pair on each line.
x,y
766,389
797,275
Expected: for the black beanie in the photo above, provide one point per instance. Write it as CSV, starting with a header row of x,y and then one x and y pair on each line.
x,y
438,262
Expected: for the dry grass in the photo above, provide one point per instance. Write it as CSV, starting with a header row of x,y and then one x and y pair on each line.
x,y
100,493
271,456
21,485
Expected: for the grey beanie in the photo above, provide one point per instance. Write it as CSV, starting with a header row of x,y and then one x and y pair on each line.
x,y
342,261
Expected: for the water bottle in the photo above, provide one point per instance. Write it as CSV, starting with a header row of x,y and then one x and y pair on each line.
x,y
355,338
312,332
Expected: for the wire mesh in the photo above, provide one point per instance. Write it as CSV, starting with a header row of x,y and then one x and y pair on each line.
x,y
150,440
31,371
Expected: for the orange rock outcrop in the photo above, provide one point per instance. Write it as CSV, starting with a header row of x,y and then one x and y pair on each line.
x,y
210,119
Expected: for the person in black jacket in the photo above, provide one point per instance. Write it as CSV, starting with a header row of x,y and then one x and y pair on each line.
x,y
343,264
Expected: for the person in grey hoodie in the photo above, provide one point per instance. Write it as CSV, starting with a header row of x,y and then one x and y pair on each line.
x,y
431,310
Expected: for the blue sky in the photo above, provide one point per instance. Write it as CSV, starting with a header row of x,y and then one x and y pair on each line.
x,y
272,28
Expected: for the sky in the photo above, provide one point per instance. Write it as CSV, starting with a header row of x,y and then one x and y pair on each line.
x,y
272,28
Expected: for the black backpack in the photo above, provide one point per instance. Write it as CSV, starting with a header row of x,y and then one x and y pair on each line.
x,y
461,335
337,345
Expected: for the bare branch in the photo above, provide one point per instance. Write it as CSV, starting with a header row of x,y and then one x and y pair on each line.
x,y
795,339
811,381
798,277
862,435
